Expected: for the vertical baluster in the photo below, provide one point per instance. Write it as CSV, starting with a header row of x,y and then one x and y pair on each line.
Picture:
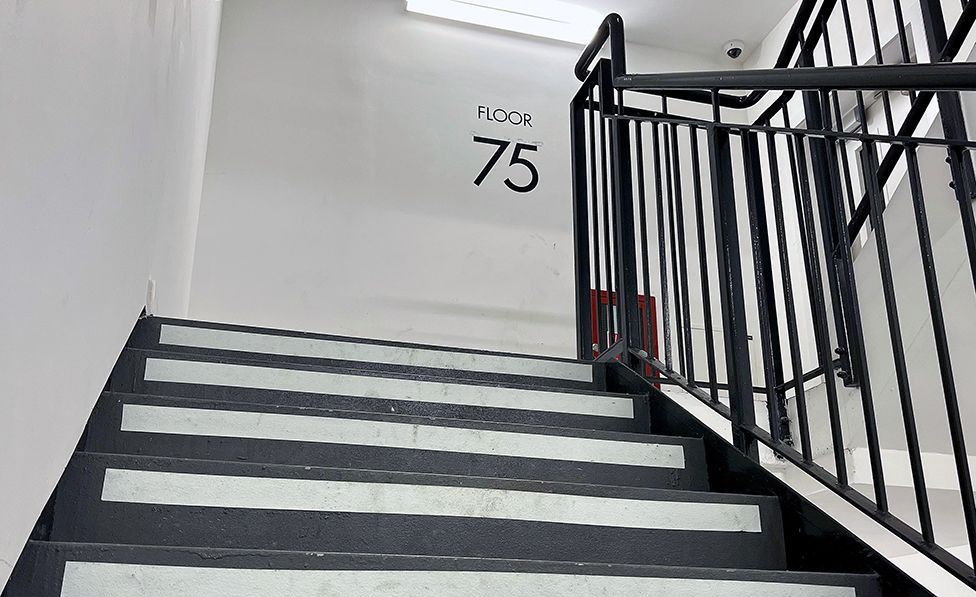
x,y
765,292
831,204
840,302
879,57
595,208
804,210
581,227
861,112
793,336
662,247
739,370
676,276
838,118
703,265
642,222
945,367
870,166
800,224
681,276
625,240
906,56
852,51
608,238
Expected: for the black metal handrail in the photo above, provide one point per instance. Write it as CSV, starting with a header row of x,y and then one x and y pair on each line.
x,y
894,77
612,30
640,230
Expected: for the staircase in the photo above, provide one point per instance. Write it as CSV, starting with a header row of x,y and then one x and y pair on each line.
x,y
232,461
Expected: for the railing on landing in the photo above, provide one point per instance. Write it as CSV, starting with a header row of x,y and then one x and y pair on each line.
x,y
664,199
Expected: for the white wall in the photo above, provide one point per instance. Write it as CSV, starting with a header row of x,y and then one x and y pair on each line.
x,y
104,109
338,194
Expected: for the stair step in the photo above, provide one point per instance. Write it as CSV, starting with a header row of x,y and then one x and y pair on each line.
x,y
164,501
218,338
275,434
92,570
305,385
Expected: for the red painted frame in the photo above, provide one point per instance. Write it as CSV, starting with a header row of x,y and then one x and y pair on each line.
x,y
646,305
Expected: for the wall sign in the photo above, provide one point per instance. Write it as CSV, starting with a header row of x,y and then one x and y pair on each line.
x,y
502,115
518,160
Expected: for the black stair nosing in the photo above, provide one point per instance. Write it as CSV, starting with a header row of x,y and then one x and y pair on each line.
x,y
105,435
253,360
153,323
41,565
204,403
81,515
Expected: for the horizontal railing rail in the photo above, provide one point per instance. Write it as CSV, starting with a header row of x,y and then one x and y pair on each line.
x,y
612,30
744,238
918,77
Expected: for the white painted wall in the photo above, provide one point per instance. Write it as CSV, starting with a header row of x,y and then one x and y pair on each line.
x,y
338,193
104,111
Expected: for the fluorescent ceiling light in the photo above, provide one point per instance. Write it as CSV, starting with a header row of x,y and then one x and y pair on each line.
x,y
543,18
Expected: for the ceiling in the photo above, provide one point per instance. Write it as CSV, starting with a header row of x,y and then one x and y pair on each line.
x,y
697,26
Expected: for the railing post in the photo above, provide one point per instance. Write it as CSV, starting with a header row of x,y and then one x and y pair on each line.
x,y
772,353
739,371
625,240
581,227
841,305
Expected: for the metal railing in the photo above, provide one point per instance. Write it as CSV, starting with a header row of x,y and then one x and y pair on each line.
x,y
758,238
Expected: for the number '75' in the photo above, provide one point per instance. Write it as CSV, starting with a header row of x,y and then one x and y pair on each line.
x,y
517,159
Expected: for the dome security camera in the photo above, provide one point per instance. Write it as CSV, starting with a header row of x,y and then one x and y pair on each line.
x,y
734,49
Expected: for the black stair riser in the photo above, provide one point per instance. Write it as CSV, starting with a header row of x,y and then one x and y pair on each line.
x,y
396,459
415,535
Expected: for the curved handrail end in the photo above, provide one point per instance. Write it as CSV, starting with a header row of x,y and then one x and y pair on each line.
x,y
612,29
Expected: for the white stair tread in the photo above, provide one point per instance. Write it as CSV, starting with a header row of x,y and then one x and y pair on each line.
x,y
326,495
88,579
140,418
267,343
297,380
